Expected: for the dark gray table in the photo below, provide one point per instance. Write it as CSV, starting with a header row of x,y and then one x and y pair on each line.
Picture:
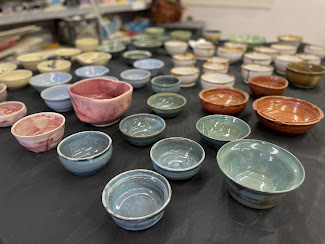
x,y
41,202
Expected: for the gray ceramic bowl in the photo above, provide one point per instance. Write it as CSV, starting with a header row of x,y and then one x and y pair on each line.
x,y
136,199
142,129
136,77
134,55
151,64
115,48
85,153
166,83
57,98
167,104
151,45
219,129
177,158
257,173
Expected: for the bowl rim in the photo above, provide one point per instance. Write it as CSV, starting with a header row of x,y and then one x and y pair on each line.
x,y
29,74
298,38
43,96
80,69
313,57
229,49
271,144
284,86
66,64
4,87
180,42
218,83
309,46
123,73
136,63
167,94
288,47
68,79
279,57
229,43
270,67
225,60
102,55
305,72
245,94
10,64
270,50
43,57
224,65
267,57
8,102
81,41
196,71
146,53
165,85
74,51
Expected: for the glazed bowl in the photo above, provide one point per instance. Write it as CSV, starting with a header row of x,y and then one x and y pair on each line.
x,y
136,199
290,40
267,85
46,80
16,79
136,77
165,38
309,58
151,64
212,35
114,48
187,75
257,173
67,53
304,75
315,50
267,50
184,60
155,32
252,70
109,77
57,98
212,79
174,47
220,60
85,153
54,66
257,58
151,45
39,132
281,62
5,67
87,44
3,92
92,71
94,58
177,158
167,104
99,101
134,55
236,45
286,114
166,83
31,60
215,67
142,129
234,54
223,100
217,130
11,112
181,35
250,40
284,48
203,51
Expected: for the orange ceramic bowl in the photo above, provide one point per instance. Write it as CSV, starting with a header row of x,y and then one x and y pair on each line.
x,y
267,85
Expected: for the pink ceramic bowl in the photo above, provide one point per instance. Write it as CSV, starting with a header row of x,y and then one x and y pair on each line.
x,y
39,132
10,112
3,92
100,102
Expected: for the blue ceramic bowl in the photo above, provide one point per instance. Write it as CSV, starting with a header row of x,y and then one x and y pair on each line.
x,y
85,153
177,158
109,77
92,71
166,83
257,173
142,129
136,199
46,80
167,104
136,77
151,64
57,98
219,129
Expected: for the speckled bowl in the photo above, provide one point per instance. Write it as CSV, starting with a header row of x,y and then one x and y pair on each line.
x,y
3,92
5,67
138,78
57,98
16,79
267,85
91,71
151,64
51,66
11,112
167,104
31,60
46,80
94,58
166,83
134,55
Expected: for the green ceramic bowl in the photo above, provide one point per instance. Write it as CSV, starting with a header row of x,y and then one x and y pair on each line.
x,y
150,45
115,48
167,104
182,35
134,55
155,32
250,40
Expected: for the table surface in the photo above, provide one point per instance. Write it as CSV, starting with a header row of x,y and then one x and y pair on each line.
x,y
41,202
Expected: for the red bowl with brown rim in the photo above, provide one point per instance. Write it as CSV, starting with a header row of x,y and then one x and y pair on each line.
x,y
267,85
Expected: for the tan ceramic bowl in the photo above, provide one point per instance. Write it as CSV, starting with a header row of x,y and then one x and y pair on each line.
x,y
54,66
16,79
175,47
67,53
94,58
31,60
234,54
187,75
5,67
290,39
87,44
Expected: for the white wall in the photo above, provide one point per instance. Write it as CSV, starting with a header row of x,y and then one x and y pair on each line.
x,y
300,17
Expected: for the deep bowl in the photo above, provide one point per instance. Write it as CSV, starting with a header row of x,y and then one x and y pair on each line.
x,y
46,80
166,83
151,64
212,35
267,85
134,55
233,54
57,98
11,112
309,58
167,104
3,92
184,60
91,71
16,79
94,58
155,32
174,47
31,60
136,77
151,45
50,66
187,75
5,67
213,79
87,44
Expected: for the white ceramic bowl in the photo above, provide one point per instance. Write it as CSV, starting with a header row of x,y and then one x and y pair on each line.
x,y
175,47
290,40
215,67
234,54
253,70
212,79
203,51
284,48
187,75
221,60
236,45
257,58
266,50
184,60
281,62
315,50
309,58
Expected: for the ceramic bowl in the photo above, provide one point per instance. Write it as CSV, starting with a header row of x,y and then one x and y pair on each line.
x,y
151,64
184,60
234,54
315,50
141,37
257,173
286,114
212,35
236,45
284,48
46,80
109,77
136,199
39,132
267,85
166,83
212,79
250,40
217,130
187,75
155,32
134,55
99,101
290,40
267,50
174,47
257,58
203,51
85,153
11,112
57,98
215,67
31,60
220,60
304,75
3,92
182,35
309,58
142,129
252,70
281,62
5,67
54,66
177,158
165,38
136,77
167,104
91,71
150,45
114,48
67,53
223,100
94,58
87,44
16,79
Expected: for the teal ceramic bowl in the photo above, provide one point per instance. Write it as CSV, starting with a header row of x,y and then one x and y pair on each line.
x,y
134,55
220,129
167,104
258,173
250,40
115,48
151,45
142,129
155,32
166,83
182,35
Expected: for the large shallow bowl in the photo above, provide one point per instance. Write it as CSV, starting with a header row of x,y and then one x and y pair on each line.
x,y
167,104
94,58
151,64
136,77
250,40
257,173
59,65
46,80
11,112
166,83
16,79
267,85
3,92
91,71
57,98
31,60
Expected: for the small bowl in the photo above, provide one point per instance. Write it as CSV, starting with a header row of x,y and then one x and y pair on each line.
x,y
177,158
114,48
223,100
136,199
57,98
212,79
155,32
39,132
281,62
236,45
134,55
150,45
250,40
85,153
46,80
284,48
166,83
257,173
11,112
87,44
290,40
267,50
167,104
54,66
174,47
136,77
315,50
203,51
267,85
91,71
257,58
151,64
16,79
219,129
309,58
31,60
286,114
304,75
3,92
94,58
215,67
67,53
187,75
184,60
142,129
165,38
5,67
220,60
252,70
212,35
234,54
181,35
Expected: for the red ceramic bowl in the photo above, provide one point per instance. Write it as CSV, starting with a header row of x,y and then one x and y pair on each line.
x,y
11,112
267,85
223,100
100,102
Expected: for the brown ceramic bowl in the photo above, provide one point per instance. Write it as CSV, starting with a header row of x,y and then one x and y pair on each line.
x,y
286,114
223,100
267,85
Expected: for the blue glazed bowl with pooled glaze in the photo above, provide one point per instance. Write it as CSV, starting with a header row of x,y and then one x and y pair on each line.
x,y
85,153
258,173
136,77
177,158
91,71
46,80
167,104
151,64
166,83
136,199
57,98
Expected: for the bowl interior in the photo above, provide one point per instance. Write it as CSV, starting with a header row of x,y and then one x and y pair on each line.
x,y
166,101
90,71
269,81
165,80
8,108
56,93
135,74
16,75
149,63
306,68
224,96
50,79
218,78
